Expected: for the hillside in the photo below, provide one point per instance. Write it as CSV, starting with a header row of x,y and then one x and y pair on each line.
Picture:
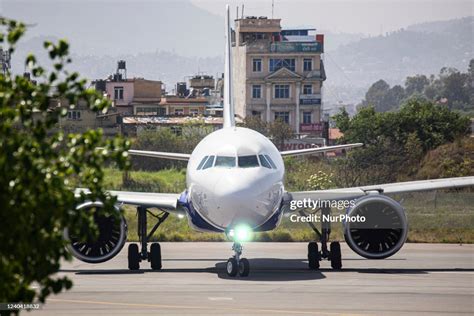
x,y
419,49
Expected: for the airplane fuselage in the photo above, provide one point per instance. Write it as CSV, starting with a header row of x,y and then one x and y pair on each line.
x,y
234,176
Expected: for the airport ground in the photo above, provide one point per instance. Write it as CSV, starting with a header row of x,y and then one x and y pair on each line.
x,y
422,279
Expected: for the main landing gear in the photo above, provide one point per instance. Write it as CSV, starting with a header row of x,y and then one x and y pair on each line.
x,y
333,254
135,256
236,264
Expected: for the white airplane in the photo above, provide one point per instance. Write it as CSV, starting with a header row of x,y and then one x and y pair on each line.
x,y
234,184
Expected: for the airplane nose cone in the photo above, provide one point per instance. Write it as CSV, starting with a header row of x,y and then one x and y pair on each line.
x,y
244,199
234,186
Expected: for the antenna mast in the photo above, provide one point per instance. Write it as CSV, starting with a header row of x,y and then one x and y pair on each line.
x,y
273,6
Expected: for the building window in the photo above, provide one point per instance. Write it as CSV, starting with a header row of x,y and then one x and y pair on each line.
x,y
288,63
178,112
283,116
150,110
194,112
257,114
74,115
306,117
257,65
256,91
307,89
118,93
282,91
307,64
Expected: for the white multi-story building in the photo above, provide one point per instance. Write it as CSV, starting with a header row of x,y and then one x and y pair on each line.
x,y
278,73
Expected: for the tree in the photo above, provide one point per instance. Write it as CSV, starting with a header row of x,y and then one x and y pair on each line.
x,y
394,97
451,88
280,131
257,124
395,142
416,84
166,139
455,89
375,96
39,168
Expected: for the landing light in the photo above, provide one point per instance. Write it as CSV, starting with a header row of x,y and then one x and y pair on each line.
x,y
241,233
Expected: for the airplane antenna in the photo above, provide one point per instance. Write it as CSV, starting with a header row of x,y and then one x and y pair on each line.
x,y
229,118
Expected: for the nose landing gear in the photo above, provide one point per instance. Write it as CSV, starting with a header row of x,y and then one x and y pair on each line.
x,y
236,264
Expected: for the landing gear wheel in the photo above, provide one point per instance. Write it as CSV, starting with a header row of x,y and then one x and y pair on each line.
x,y
313,256
232,267
244,267
133,257
155,256
335,255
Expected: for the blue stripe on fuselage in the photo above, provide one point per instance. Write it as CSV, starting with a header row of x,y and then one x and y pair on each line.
x,y
194,216
200,223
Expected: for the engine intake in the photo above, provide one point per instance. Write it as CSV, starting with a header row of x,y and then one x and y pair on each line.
x,y
384,231
111,238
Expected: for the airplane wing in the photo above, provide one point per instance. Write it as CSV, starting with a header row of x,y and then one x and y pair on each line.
x,y
389,188
159,154
309,151
165,201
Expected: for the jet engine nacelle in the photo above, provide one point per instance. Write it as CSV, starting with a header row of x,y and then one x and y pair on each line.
x,y
111,237
384,230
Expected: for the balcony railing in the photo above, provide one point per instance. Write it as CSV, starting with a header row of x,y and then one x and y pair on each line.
x,y
263,46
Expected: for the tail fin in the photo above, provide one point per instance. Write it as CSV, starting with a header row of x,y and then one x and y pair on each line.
x,y
229,116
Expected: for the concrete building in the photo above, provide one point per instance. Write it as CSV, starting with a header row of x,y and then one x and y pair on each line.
x,y
179,106
81,118
278,73
136,96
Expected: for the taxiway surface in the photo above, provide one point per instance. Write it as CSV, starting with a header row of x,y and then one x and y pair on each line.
x,y
433,279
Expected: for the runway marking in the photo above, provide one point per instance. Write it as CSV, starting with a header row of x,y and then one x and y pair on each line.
x,y
278,311
220,298
451,272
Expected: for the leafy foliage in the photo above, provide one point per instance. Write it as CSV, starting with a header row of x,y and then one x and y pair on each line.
x,y
39,167
395,142
450,160
320,181
167,140
278,131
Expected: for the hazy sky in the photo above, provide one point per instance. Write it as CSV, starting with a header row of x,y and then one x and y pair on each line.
x,y
98,27
350,16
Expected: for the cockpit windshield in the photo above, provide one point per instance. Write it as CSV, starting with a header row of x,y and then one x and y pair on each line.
x,y
209,162
248,161
271,161
225,161
202,162
264,162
